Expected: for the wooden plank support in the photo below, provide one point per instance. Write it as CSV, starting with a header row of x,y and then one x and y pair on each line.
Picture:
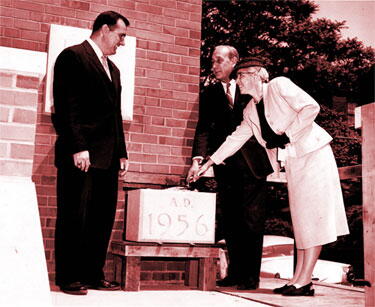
x,y
368,186
200,268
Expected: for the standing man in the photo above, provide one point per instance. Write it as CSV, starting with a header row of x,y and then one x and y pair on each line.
x,y
241,180
90,153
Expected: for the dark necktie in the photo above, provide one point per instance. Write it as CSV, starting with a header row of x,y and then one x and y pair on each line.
x,y
229,96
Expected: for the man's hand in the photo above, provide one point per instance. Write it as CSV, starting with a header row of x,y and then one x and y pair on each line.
x,y
82,160
124,165
193,171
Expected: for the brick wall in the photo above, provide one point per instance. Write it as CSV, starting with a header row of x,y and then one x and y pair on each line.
x,y
159,137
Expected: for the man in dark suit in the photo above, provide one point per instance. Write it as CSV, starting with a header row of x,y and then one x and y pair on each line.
x,y
241,181
89,153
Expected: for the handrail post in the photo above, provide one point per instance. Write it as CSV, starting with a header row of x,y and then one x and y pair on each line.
x,y
368,190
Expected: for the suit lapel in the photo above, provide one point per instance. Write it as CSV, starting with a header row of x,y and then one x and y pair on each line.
x,y
95,62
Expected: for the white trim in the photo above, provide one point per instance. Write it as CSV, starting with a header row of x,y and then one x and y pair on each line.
x,y
23,60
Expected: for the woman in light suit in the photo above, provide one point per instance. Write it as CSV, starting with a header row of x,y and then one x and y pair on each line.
x,y
281,115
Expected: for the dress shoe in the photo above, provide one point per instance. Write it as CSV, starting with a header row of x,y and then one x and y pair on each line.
x,y
74,288
104,285
248,285
302,291
227,282
281,289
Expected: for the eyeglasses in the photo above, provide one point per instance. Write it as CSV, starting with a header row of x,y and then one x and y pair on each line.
x,y
241,74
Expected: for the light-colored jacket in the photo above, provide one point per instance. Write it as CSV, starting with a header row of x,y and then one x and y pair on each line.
x,y
288,109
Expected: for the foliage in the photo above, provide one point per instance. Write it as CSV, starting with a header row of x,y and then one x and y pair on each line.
x,y
310,52
346,142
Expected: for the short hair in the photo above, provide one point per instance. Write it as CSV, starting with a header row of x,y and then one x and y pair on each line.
x,y
109,18
233,53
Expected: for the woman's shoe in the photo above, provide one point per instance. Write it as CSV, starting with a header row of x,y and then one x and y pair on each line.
x,y
302,291
281,289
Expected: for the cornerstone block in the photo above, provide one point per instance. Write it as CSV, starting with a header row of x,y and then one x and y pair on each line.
x,y
177,216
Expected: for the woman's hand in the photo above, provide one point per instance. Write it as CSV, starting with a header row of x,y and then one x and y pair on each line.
x,y
203,169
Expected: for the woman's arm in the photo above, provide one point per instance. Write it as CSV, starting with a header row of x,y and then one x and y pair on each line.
x,y
301,102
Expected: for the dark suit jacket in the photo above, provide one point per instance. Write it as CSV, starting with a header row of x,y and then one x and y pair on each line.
x,y
87,108
217,121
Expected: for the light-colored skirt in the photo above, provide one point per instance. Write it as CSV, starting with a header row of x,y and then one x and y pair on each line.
x,y
315,198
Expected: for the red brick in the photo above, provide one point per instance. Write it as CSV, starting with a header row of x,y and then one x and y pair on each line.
x,y
186,78
157,130
79,5
181,151
148,26
185,96
35,36
188,24
158,169
159,37
16,168
182,41
173,58
158,111
159,74
193,88
26,24
182,87
157,120
5,41
171,48
182,69
183,132
149,64
24,116
143,158
176,31
6,80
180,114
21,14
4,114
4,150
134,147
27,82
164,3
21,151
17,133
55,10
6,11
143,138
195,17
156,149
195,34
171,141
24,44
154,46
195,52
152,101
158,56
188,7
135,128
159,93
6,21
148,9
147,82
128,5
171,160
164,20
11,32
170,122
181,170
172,12
28,5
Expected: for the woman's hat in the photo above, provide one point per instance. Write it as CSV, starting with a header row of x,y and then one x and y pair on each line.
x,y
249,62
